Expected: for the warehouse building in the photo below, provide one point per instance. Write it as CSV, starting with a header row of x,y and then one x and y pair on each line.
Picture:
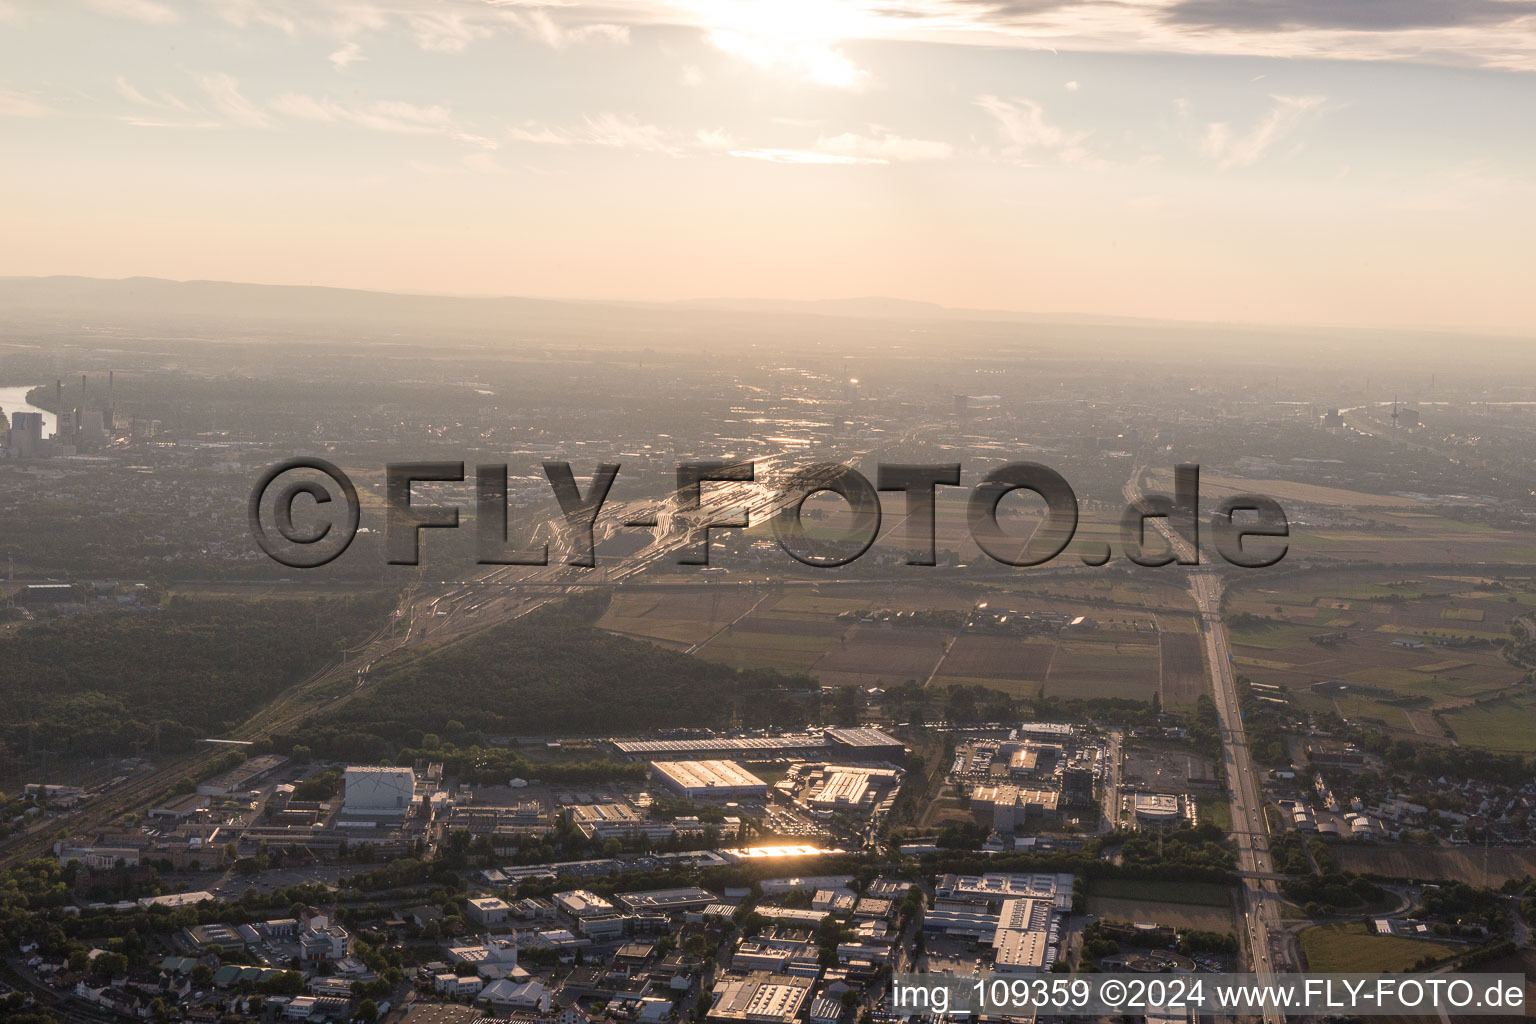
x,y
377,792
709,780
760,998
860,746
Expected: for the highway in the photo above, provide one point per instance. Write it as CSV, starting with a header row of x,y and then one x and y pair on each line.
x,y
1250,832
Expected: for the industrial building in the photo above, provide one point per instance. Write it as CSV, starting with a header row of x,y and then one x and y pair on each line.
x,y
992,889
667,901
842,788
243,777
859,746
709,780
1028,936
760,998
377,791
1020,917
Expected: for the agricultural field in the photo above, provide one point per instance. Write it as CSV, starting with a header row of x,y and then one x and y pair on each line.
x,y
1106,663
677,619
1136,640
1415,654
1350,948
1330,524
1016,665
1487,868
1183,661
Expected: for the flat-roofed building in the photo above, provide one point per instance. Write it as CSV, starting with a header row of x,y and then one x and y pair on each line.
x,y
865,744
1163,809
377,791
243,777
994,888
1011,806
709,780
1026,937
760,998
488,910
666,901
580,903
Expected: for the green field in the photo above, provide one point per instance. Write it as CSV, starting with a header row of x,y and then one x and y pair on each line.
x,y
1216,810
1505,725
1205,894
1351,948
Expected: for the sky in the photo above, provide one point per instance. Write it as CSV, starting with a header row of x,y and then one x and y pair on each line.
x,y
1358,162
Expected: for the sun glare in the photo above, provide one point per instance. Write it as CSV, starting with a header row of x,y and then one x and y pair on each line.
x,y
798,38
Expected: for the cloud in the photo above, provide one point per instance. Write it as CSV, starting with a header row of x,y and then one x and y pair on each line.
x,y
390,116
1028,134
615,131
625,131
347,55
714,139
808,39
223,92
884,148
539,25
1070,86
15,104
126,90
1282,120
150,122
147,11
1352,15
796,156
163,100
1486,33
447,31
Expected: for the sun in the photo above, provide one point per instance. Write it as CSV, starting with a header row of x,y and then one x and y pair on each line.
x,y
798,38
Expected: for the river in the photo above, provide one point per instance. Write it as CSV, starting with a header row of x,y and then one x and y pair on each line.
x,y
15,400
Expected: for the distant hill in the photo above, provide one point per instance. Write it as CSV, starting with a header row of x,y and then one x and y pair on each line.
x,y
153,296
859,323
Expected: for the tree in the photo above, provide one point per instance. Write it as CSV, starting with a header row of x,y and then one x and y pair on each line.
x,y
368,1011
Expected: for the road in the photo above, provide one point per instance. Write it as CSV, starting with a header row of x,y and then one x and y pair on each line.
x,y
1250,832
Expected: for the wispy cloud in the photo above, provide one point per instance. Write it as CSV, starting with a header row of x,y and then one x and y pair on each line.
x,y
538,24
884,148
15,104
615,131
391,116
1280,122
345,56
223,91
795,156
434,25
162,100
148,11
153,122
1029,135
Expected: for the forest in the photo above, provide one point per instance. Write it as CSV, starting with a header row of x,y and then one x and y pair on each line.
x,y
116,683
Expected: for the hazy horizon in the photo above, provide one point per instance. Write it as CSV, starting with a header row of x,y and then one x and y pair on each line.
x,y
1202,160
